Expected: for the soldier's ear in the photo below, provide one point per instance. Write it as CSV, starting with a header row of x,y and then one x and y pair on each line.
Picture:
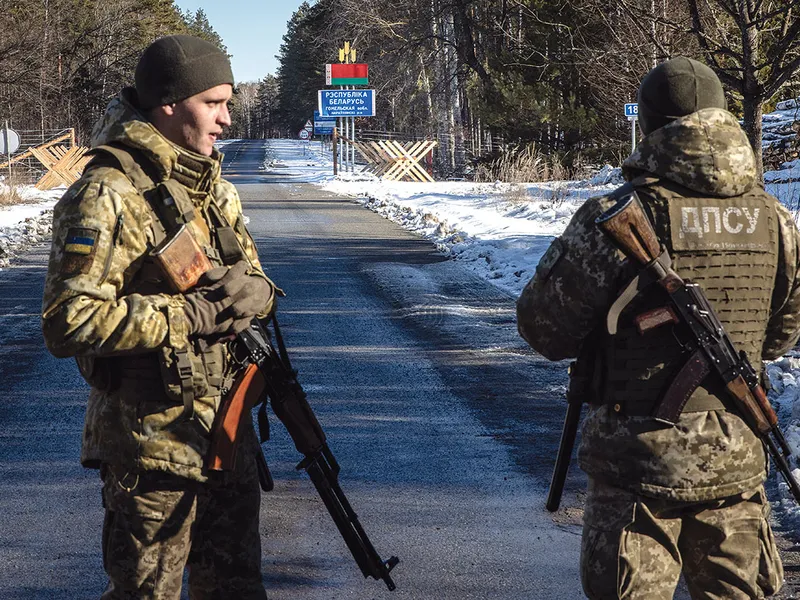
x,y
161,116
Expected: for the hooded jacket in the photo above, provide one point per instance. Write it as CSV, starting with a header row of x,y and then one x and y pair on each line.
x,y
697,177
107,305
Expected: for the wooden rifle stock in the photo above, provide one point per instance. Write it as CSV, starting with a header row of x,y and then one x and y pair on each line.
x,y
630,229
247,391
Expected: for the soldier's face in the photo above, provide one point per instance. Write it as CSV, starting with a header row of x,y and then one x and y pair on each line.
x,y
196,122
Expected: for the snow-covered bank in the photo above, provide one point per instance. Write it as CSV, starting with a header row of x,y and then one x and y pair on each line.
x,y
498,230
22,225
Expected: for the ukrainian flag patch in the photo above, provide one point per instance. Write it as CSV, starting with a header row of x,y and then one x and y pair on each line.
x,y
80,246
80,241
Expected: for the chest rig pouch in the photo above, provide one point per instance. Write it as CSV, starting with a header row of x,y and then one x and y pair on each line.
x,y
198,369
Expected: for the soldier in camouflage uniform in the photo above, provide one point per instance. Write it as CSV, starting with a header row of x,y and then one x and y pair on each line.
x,y
158,361
688,498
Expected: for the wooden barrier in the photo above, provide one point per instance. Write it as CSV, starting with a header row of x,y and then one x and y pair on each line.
x,y
63,138
64,165
394,160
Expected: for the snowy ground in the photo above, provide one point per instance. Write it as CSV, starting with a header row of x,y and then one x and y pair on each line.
x,y
497,230
22,225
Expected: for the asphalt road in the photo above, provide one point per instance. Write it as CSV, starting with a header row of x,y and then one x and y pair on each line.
x,y
431,403
444,423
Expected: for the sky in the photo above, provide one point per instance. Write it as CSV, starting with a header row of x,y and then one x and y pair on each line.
x,y
252,30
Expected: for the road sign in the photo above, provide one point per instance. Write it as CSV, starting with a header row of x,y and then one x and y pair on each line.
x,y
323,125
347,74
304,134
346,103
632,110
309,126
9,141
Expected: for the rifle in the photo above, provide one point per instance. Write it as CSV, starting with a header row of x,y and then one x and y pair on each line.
x,y
629,228
575,400
269,374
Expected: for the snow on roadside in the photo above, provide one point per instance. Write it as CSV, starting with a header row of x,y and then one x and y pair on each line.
x,y
498,230
23,225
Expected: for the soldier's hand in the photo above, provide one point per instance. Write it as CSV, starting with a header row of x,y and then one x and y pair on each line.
x,y
226,301
206,305
249,294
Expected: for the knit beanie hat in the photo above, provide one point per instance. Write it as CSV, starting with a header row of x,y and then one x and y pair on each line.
x,y
178,66
676,88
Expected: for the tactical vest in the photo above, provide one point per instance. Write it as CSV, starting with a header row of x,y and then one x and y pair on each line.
x,y
198,370
727,245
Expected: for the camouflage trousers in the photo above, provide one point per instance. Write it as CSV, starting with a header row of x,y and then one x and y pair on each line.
x,y
635,547
156,524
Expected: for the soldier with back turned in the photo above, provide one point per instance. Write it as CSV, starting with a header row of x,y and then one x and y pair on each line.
x,y
689,498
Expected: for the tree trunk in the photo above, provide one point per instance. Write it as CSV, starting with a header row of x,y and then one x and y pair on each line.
x,y
753,112
752,91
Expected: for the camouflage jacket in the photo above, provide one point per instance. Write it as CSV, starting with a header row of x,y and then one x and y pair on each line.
x,y
710,453
106,305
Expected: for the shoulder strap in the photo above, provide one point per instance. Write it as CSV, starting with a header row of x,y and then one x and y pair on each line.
x,y
166,204
130,166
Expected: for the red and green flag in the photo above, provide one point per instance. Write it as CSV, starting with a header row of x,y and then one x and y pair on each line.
x,y
347,74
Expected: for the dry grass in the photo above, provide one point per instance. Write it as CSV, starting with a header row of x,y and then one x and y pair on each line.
x,y
9,195
523,164
9,188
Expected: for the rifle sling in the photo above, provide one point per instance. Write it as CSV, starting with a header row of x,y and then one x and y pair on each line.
x,y
650,274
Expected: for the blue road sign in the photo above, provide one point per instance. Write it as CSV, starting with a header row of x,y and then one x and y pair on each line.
x,y
347,103
323,125
632,110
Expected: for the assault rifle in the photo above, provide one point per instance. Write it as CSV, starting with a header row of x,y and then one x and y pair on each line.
x,y
269,374
712,350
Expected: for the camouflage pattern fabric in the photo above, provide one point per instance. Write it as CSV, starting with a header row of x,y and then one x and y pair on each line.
x,y
634,547
709,454
157,523
104,304
696,148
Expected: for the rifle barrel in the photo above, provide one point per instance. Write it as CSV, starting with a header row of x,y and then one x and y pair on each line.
x,y
783,467
570,431
346,520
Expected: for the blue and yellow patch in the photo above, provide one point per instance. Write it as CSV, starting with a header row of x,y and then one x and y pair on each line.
x,y
80,245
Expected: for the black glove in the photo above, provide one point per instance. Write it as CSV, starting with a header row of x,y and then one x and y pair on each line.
x,y
249,294
206,305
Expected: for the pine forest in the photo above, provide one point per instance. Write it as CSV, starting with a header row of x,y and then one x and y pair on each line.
x,y
541,80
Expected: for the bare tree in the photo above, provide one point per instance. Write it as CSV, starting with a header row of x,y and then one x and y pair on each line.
x,y
752,45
